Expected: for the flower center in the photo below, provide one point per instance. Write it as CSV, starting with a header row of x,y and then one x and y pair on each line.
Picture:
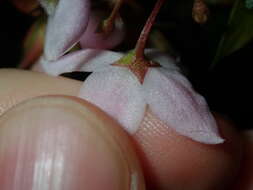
x,y
135,60
138,66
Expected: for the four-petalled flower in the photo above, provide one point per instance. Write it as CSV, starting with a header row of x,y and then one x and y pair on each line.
x,y
125,86
117,91
166,92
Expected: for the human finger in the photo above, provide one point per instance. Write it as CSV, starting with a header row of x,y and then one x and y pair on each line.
x,y
56,143
172,161
245,176
167,157
19,85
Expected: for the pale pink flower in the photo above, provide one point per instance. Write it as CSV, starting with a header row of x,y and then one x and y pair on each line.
x,y
118,92
70,22
67,21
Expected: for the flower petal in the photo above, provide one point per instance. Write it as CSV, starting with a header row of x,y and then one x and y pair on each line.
x,y
118,93
173,100
88,60
65,27
49,5
93,39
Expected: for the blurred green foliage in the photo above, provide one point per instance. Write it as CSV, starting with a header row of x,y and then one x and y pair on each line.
x,y
239,30
249,4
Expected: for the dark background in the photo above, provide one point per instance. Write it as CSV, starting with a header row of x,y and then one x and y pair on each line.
x,y
227,87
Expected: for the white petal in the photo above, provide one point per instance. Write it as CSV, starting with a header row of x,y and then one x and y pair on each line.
x,y
97,60
179,106
49,5
88,60
65,27
162,58
118,93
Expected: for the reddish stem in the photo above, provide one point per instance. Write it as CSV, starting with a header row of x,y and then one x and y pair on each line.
x,y
141,43
111,19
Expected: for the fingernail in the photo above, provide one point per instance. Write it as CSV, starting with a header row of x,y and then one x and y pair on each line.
x,y
53,143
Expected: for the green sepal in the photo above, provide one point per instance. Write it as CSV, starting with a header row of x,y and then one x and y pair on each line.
x,y
128,58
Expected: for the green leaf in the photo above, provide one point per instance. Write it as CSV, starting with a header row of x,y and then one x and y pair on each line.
x,y
239,31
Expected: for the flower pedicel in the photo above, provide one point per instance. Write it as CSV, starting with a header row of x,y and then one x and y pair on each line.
x,y
124,86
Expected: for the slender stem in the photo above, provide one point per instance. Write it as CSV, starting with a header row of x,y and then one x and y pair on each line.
x,y
141,43
108,27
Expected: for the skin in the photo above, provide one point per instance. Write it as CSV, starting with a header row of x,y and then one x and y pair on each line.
x,y
168,160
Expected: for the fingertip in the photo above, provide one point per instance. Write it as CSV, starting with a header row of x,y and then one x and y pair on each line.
x,y
19,85
244,179
59,142
172,161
